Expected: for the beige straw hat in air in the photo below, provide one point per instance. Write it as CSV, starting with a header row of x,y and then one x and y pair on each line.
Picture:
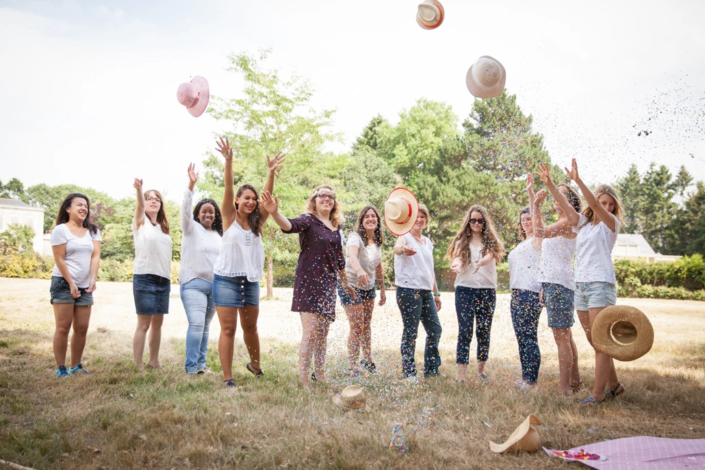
x,y
523,438
622,332
400,211
486,77
430,14
351,398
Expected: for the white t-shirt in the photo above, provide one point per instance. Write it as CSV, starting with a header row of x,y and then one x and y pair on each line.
x,y
484,278
593,256
78,253
557,255
241,254
415,271
199,247
524,267
152,250
369,257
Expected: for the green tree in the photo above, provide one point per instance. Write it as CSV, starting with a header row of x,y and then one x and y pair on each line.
x,y
50,198
631,192
16,239
370,135
14,189
690,223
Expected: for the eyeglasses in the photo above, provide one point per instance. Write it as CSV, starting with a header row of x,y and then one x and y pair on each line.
x,y
477,221
155,199
326,196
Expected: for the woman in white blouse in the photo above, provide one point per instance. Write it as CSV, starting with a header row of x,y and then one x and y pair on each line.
x,y
240,265
202,230
363,266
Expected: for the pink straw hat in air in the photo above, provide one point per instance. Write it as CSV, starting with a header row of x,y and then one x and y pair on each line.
x,y
194,95
430,14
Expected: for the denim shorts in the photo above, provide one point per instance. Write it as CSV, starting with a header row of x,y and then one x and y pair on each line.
x,y
559,305
235,292
594,295
151,294
61,293
362,296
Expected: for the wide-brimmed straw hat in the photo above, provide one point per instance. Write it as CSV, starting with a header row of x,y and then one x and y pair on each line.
x,y
486,77
523,438
351,398
194,95
622,332
430,14
400,211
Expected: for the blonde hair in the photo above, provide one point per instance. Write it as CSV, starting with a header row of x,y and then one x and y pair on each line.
x,y
618,210
491,243
336,214
424,210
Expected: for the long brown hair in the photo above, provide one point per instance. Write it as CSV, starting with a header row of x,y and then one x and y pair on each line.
x,y
62,217
522,232
161,214
360,230
491,243
618,211
255,218
336,214
573,196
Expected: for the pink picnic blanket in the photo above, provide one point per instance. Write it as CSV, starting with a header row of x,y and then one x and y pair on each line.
x,y
646,453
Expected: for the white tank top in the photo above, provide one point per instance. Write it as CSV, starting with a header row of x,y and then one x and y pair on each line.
x,y
416,271
524,265
242,254
557,261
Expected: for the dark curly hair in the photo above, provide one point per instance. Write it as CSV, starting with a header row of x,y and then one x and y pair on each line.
x,y
218,222
62,217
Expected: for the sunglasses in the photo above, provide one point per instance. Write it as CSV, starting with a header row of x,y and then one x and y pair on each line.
x,y
477,221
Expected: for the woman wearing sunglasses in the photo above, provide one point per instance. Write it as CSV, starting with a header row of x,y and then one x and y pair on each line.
x,y
474,254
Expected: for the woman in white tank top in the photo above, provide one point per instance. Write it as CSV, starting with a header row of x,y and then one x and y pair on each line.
x,y
557,280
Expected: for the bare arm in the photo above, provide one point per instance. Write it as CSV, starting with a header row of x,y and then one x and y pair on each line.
x,y
271,205
228,206
139,209
379,273
568,209
401,248
95,265
353,253
272,165
607,217
59,252
186,214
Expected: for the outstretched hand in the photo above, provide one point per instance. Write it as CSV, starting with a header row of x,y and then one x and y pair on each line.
x,y
225,149
275,163
270,203
573,172
192,175
137,184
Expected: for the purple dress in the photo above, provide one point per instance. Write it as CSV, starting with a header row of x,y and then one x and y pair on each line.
x,y
320,260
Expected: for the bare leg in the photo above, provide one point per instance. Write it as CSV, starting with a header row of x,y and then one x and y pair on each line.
x,y
227,316
307,325
367,309
248,322
63,314
575,370
355,320
155,339
462,371
480,367
81,318
604,367
138,340
320,346
563,340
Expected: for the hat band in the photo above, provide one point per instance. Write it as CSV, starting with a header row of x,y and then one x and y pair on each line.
x,y
477,79
408,204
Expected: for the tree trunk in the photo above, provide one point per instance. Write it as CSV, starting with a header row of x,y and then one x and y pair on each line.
x,y
270,278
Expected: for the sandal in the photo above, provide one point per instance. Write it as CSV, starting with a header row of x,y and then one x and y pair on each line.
x,y
369,366
590,401
577,388
313,376
252,369
618,390
229,383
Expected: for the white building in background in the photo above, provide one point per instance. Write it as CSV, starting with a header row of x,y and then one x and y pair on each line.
x,y
14,211
635,247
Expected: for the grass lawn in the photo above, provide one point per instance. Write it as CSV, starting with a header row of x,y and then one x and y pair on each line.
x,y
122,418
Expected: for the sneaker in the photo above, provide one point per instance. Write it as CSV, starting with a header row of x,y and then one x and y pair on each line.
x,y
192,373
204,370
77,369
61,372
229,383
370,366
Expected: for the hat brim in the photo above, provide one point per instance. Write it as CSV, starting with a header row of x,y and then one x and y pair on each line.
x,y
397,228
524,438
440,21
338,401
202,87
483,93
606,344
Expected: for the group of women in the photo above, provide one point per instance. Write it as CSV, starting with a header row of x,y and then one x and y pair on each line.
x,y
565,266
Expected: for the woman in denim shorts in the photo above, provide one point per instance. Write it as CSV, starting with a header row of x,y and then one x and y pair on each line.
x,y
151,278
75,242
363,265
240,265
595,281
557,280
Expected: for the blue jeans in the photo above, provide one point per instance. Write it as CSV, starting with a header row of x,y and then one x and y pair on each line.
x,y
474,305
416,306
198,303
526,309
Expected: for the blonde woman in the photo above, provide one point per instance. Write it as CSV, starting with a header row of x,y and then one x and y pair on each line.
x,y
475,252
321,258
595,282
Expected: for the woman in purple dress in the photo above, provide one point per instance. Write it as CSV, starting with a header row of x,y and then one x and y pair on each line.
x,y
321,260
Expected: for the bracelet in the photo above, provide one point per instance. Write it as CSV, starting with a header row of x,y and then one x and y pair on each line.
x,y
436,294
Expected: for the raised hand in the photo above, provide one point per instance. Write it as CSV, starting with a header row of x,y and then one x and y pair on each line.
x,y
540,196
573,172
192,176
275,163
270,203
225,149
529,182
545,173
137,184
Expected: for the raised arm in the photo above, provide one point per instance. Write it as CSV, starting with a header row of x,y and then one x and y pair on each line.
x,y
228,206
271,205
139,209
187,222
568,209
273,165
605,216
95,265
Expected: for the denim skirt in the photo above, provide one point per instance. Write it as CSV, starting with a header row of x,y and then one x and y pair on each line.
x,y
235,292
151,294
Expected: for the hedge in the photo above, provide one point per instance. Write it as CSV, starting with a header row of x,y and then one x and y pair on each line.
x,y
687,272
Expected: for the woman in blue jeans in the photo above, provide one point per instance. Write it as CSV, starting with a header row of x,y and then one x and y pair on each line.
x,y
475,252
202,230
526,305
417,296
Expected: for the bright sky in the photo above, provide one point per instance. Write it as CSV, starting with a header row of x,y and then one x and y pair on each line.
x,y
90,86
